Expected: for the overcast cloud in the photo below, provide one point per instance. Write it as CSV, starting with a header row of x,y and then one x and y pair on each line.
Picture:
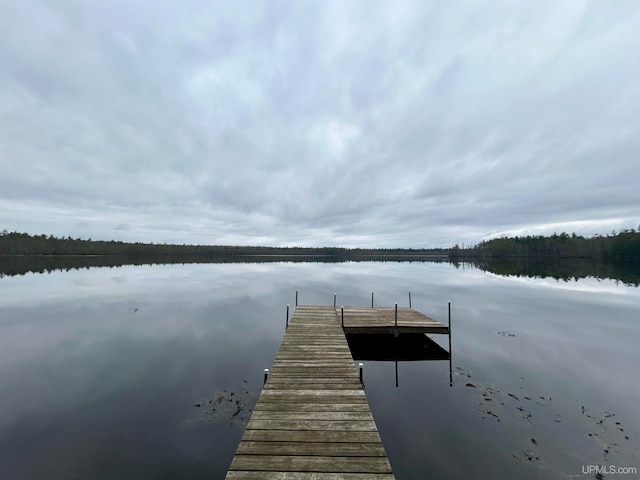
x,y
347,123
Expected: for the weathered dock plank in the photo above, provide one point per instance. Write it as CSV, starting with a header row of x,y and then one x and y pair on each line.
x,y
310,463
324,449
319,400
263,475
272,392
311,425
358,437
310,407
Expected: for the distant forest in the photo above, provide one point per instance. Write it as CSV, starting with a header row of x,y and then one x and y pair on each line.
x,y
563,257
624,245
15,243
621,245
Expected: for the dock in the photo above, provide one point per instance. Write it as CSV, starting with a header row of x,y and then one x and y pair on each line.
x,y
312,419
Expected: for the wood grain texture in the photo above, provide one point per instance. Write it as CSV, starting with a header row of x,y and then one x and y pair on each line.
x,y
262,475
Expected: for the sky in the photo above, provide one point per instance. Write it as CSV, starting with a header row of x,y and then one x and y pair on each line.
x,y
319,123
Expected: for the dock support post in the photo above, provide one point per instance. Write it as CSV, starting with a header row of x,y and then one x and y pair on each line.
x,y
360,365
395,330
449,325
409,299
396,374
287,315
342,316
396,315
371,299
296,298
450,353
266,374
334,300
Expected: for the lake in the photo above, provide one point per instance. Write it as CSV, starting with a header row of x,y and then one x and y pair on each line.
x,y
102,369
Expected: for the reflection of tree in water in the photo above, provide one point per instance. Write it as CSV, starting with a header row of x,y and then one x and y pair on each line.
x,y
626,271
230,406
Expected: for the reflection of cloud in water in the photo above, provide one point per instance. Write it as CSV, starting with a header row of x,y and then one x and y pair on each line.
x,y
583,285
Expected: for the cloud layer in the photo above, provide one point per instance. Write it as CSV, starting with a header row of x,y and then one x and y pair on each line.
x,y
318,123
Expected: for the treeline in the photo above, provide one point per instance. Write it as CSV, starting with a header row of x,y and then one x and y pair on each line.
x,y
15,243
624,245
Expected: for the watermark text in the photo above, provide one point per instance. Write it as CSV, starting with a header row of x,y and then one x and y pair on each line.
x,y
608,470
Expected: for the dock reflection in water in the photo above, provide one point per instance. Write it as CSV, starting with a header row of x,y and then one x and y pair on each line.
x,y
404,347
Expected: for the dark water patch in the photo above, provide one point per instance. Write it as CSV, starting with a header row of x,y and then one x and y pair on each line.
x,y
404,347
232,407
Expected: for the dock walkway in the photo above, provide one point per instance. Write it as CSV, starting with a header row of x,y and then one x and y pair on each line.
x,y
312,419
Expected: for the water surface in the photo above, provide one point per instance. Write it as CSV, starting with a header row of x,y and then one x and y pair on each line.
x,y
101,369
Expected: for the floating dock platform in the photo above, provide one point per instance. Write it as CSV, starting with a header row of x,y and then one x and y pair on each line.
x,y
388,320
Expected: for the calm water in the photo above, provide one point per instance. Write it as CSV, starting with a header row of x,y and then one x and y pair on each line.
x,y
101,369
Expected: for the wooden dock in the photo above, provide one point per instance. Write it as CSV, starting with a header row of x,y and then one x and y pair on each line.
x,y
312,420
388,320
